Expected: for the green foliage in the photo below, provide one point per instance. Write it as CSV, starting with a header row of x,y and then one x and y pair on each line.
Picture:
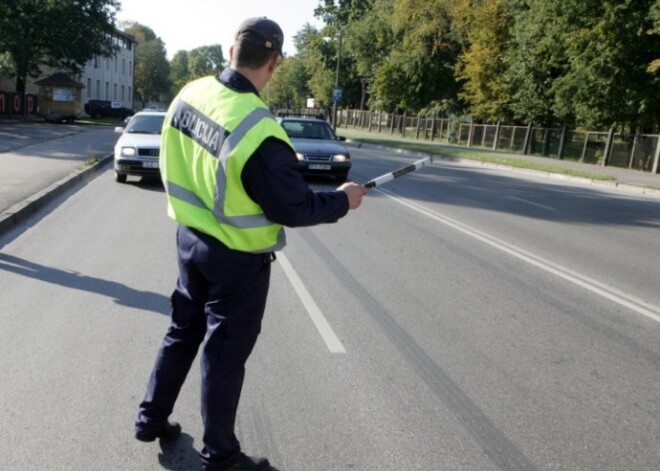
x,y
152,70
586,63
205,60
59,33
186,66
423,51
317,56
178,71
654,16
6,63
481,64
288,87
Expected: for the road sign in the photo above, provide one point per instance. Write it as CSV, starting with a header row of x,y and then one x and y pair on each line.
x,y
337,94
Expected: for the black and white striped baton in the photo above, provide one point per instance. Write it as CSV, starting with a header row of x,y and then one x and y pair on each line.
x,y
378,181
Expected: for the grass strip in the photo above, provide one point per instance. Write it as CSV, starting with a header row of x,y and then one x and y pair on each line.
x,y
472,154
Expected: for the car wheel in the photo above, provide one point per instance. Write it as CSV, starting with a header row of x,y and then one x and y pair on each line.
x,y
120,177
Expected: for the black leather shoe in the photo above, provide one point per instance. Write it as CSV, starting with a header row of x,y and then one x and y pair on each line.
x,y
249,463
169,431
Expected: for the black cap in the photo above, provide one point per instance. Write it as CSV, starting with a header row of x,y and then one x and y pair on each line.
x,y
265,32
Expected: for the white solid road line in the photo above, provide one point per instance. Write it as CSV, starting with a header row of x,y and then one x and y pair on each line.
x,y
624,299
321,323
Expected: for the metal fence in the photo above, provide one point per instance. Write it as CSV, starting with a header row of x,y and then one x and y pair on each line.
x,y
634,151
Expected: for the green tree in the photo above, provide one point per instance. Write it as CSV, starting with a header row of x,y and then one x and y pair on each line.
x,y
57,33
419,68
343,12
317,55
342,23
288,87
654,15
6,66
205,60
481,66
178,71
585,63
151,79
535,59
609,50
368,40
186,66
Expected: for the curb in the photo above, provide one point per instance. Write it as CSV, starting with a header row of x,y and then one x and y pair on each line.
x,y
21,211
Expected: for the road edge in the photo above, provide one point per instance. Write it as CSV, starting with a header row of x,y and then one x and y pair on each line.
x,y
16,214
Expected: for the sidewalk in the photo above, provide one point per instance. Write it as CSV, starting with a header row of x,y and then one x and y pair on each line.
x,y
38,161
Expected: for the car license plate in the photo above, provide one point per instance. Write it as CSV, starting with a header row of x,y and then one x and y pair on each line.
x,y
319,167
150,164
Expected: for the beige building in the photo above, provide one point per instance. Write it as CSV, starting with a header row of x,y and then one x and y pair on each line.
x,y
103,78
111,78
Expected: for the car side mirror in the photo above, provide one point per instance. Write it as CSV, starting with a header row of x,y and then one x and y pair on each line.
x,y
341,138
119,130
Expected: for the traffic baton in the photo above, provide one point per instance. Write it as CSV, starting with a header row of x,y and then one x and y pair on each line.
x,y
378,181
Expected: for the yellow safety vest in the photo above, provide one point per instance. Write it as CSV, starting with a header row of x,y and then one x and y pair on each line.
x,y
209,133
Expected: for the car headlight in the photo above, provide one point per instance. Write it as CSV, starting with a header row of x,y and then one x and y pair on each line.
x,y
128,151
341,158
300,156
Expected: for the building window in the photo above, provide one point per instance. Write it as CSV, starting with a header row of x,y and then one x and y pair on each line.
x,y
96,62
123,96
89,88
114,92
123,66
98,89
107,90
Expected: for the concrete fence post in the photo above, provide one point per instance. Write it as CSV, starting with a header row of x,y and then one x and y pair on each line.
x,y
498,129
562,142
608,147
657,156
528,140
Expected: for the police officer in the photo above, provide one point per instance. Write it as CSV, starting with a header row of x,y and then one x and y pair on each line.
x,y
232,183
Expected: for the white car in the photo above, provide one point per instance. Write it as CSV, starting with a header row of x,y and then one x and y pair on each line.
x,y
138,147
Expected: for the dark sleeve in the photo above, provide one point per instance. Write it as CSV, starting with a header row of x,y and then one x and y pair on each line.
x,y
271,178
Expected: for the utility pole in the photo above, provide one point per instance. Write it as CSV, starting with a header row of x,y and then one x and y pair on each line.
x,y
334,97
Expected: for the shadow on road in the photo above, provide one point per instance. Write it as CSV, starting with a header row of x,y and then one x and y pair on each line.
x,y
541,200
122,294
180,455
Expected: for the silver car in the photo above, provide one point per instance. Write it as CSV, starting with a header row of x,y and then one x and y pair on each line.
x,y
320,152
138,147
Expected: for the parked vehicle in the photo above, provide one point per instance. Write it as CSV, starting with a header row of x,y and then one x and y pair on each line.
x,y
107,109
138,147
319,151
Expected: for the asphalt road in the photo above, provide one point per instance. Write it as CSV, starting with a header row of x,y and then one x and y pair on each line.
x,y
462,319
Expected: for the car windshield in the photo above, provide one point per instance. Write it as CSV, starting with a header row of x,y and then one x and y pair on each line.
x,y
147,124
307,130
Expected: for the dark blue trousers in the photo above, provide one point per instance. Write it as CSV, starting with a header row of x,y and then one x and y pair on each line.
x,y
218,303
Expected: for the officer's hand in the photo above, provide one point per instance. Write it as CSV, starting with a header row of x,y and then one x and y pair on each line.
x,y
355,192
